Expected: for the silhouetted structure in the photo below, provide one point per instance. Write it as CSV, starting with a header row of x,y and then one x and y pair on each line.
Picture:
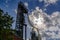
x,y
20,21
33,35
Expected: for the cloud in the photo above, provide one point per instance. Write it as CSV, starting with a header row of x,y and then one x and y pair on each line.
x,y
40,0
48,2
6,1
26,4
55,14
48,25
44,9
44,38
37,8
15,10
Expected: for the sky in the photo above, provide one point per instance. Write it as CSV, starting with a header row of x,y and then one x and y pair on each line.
x,y
50,9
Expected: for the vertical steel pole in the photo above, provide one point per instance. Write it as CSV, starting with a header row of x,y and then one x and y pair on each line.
x,y
39,38
25,32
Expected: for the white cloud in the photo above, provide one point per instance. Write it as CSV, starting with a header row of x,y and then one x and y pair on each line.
x,y
35,18
55,14
37,8
53,28
15,10
6,1
40,0
44,22
48,2
27,39
44,9
44,38
26,4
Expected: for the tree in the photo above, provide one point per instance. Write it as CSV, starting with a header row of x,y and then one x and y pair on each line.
x,y
5,26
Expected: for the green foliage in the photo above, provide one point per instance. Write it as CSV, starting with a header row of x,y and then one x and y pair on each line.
x,y
5,26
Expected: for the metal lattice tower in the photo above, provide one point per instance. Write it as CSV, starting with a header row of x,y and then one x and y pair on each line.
x,y
33,35
20,19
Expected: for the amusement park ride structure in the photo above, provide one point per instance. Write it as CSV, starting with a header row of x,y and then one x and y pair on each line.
x,y
20,21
